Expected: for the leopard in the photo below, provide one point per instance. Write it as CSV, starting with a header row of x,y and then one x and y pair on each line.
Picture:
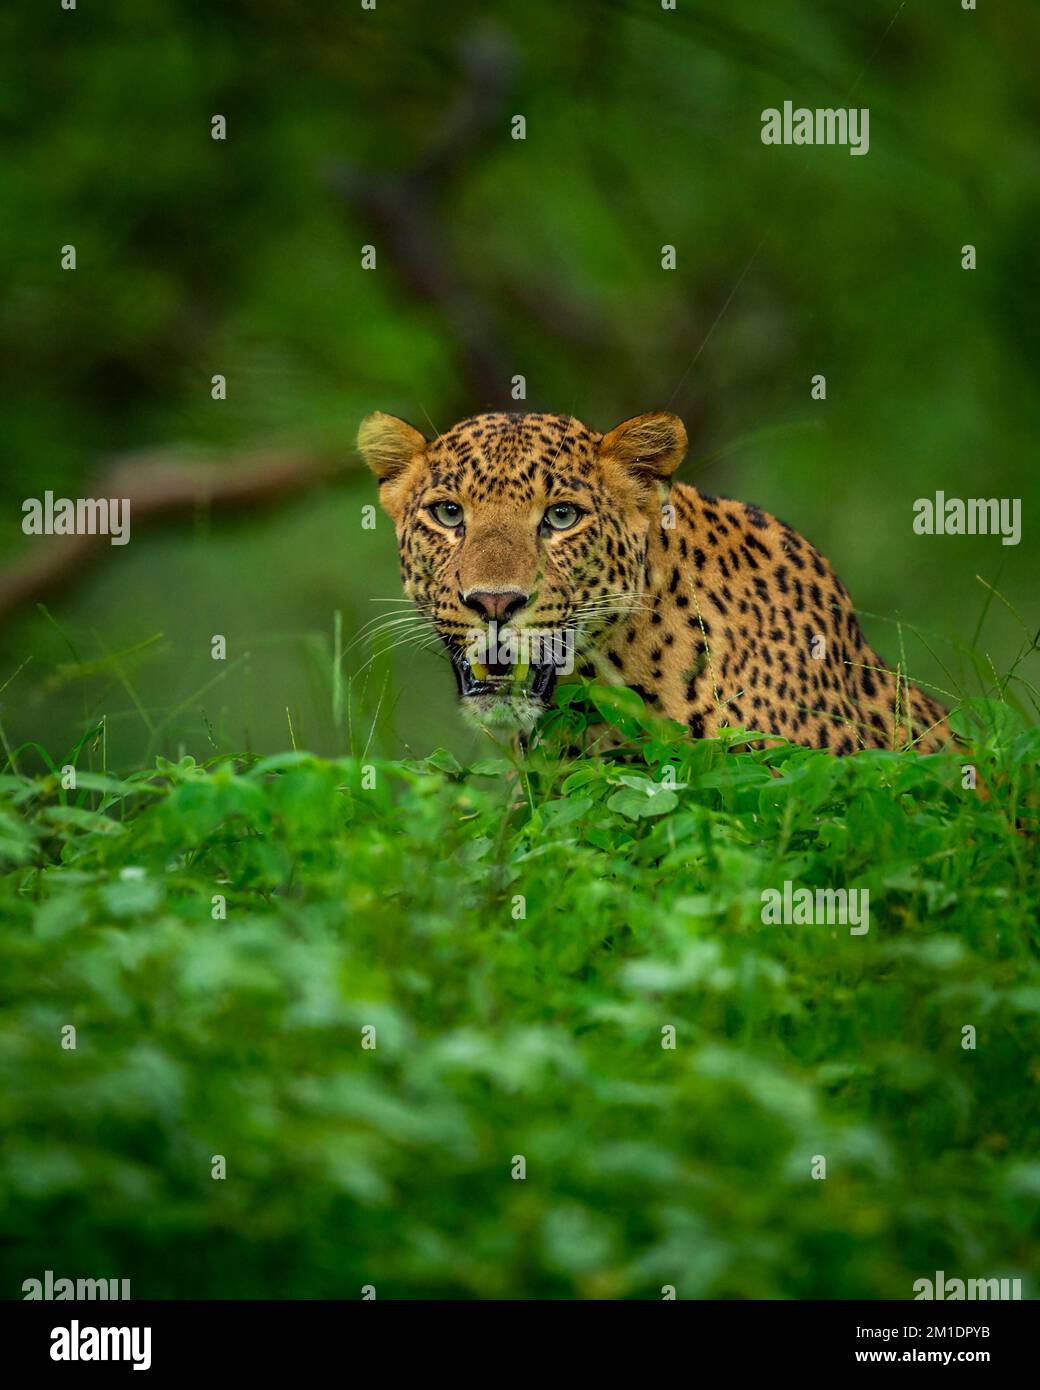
x,y
540,550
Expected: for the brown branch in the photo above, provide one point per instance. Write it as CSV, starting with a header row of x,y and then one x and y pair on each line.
x,y
159,487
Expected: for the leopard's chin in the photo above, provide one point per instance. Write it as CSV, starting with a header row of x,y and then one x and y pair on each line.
x,y
503,714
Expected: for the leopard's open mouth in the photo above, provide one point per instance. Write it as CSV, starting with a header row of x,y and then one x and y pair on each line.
x,y
536,681
506,677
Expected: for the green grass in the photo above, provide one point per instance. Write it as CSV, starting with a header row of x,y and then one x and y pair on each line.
x,y
519,937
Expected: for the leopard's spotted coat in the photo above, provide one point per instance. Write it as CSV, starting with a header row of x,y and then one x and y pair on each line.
x,y
715,612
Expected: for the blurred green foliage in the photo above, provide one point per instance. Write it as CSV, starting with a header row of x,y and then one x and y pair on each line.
x,y
528,1028
393,906
243,257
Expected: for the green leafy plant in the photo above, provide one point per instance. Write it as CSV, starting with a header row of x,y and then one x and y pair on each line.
x,y
521,936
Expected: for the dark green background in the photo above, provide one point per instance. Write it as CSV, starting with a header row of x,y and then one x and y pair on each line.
x,y
243,257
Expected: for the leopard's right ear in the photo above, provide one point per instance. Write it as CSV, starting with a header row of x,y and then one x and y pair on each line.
x,y
647,448
388,445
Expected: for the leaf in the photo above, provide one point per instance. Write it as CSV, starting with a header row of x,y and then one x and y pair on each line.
x,y
111,786
70,818
490,767
281,762
53,919
554,814
132,897
440,760
619,706
651,800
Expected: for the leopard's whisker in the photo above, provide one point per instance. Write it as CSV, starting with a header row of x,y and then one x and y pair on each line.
x,y
387,627
413,639
385,622
377,641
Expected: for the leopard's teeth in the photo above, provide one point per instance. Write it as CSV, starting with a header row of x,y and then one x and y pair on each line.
x,y
520,671
478,670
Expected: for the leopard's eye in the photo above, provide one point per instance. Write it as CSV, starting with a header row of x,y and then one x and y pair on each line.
x,y
561,516
447,513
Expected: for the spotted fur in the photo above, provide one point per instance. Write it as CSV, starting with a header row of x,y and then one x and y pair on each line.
x,y
715,612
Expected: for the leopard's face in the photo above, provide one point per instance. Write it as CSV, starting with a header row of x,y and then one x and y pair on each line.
x,y
522,540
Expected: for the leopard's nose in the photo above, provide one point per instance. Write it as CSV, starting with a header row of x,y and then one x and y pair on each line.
x,y
495,605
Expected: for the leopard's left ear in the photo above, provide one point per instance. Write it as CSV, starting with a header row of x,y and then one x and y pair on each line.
x,y
388,445
649,448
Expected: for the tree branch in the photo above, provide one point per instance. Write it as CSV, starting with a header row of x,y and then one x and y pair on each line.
x,y
159,487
